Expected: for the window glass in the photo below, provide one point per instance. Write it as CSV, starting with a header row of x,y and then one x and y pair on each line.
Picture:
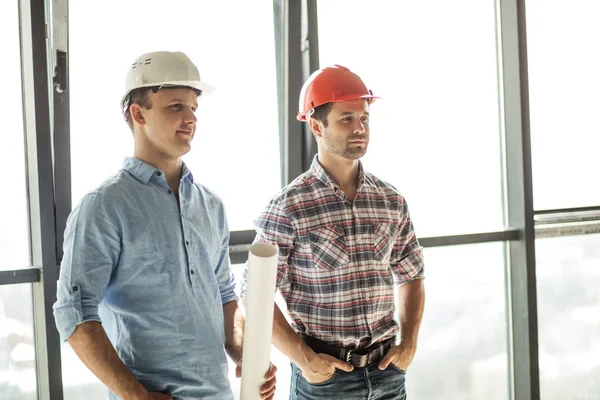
x,y
14,221
236,149
435,132
18,379
564,105
463,344
568,301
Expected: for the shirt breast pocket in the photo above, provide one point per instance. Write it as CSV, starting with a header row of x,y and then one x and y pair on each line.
x,y
385,235
328,246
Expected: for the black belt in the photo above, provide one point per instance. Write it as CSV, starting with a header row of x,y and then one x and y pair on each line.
x,y
356,357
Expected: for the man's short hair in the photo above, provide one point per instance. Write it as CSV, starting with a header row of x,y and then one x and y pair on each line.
x,y
140,97
322,112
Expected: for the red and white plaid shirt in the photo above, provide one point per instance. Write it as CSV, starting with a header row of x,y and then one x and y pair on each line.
x,y
339,259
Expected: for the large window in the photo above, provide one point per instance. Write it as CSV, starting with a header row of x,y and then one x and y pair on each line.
x,y
17,352
562,42
14,223
435,133
569,317
236,151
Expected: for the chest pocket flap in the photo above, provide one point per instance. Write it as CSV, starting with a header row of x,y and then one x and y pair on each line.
x,y
328,246
385,234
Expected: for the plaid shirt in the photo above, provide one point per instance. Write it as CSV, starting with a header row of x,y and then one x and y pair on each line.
x,y
338,259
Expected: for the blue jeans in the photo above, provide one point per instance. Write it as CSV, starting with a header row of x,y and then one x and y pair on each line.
x,y
368,383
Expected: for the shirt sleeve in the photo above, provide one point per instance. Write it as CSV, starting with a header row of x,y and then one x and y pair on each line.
x,y
274,227
223,273
91,250
407,255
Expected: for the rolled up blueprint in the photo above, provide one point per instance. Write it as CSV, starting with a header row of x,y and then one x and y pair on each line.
x,y
258,329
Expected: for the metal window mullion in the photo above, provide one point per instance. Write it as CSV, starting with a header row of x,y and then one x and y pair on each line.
x,y
280,35
291,83
61,122
590,209
297,57
310,63
240,241
517,177
27,275
36,107
246,237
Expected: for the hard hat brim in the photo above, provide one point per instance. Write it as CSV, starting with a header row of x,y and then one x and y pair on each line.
x,y
204,87
302,115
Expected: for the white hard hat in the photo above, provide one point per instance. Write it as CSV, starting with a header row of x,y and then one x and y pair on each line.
x,y
163,68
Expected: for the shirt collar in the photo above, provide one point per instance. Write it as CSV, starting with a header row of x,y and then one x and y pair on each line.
x,y
319,172
186,173
143,171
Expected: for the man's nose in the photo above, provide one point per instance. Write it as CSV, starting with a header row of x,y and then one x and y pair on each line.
x,y
190,117
360,127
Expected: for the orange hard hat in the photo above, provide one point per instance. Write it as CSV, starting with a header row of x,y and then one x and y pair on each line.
x,y
329,84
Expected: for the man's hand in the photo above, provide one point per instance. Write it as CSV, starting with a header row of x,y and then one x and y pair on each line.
x,y
401,356
267,390
322,367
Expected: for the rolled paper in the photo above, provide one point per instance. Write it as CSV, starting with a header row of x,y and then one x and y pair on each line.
x,y
258,329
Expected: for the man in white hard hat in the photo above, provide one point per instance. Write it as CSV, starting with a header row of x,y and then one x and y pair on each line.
x,y
146,296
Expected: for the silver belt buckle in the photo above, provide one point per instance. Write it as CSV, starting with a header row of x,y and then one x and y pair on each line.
x,y
359,360
349,356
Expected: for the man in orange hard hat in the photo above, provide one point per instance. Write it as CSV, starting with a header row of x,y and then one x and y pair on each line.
x,y
347,248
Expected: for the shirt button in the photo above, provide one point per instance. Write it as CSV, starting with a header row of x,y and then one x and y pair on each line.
x,y
158,173
367,297
359,238
75,288
192,272
170,191
187,242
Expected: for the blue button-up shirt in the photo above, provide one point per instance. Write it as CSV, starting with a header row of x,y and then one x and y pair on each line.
x,y
156,274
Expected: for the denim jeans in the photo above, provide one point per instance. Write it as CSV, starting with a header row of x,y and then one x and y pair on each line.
x,y
368,383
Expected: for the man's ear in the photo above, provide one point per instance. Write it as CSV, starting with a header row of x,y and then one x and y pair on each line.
x,y
136,114
316,127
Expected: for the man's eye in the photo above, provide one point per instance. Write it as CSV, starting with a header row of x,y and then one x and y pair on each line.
x,y
176,106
